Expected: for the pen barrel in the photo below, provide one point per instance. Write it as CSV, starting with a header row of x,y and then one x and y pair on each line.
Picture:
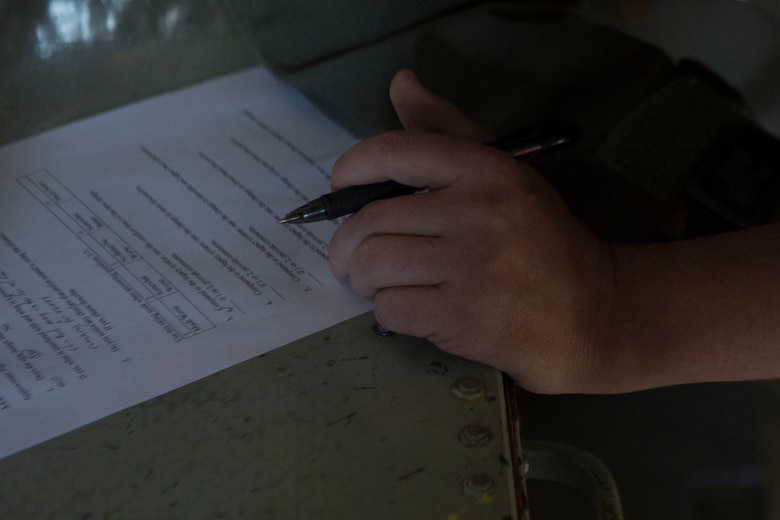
x,y
349,200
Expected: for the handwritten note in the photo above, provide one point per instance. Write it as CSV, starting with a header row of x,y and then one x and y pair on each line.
x,y
139,249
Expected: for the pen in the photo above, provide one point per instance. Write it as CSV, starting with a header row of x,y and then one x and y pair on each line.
x,y
541,137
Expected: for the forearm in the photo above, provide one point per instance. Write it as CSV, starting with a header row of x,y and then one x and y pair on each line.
x,y
696,310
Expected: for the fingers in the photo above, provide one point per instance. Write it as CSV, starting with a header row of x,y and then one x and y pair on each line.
x,y
401,156
432,312
397,261
412,158
422,215
410,310
422,111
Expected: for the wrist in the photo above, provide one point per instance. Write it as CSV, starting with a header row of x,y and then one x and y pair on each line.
x,y
625,346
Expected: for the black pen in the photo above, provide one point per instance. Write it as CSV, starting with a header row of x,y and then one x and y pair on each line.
x,y
523,143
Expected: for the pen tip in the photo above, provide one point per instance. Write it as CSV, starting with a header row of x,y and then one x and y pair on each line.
x,y
289,219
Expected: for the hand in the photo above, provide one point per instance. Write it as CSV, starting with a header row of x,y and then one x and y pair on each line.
x,y
487,263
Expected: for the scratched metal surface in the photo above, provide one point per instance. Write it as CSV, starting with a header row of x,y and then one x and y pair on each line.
x,y
343,424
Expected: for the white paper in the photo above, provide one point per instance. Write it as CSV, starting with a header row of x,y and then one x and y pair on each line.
x,y
139,249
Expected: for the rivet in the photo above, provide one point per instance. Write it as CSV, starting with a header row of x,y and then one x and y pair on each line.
x,y
475,435
479,486
380,331
468,388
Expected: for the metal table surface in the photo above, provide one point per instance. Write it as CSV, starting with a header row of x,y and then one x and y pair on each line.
x,y
342,424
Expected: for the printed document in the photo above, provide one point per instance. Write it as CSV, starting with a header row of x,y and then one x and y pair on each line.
x,y
139,249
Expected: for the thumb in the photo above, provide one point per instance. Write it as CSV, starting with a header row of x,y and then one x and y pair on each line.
x,y
420,110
